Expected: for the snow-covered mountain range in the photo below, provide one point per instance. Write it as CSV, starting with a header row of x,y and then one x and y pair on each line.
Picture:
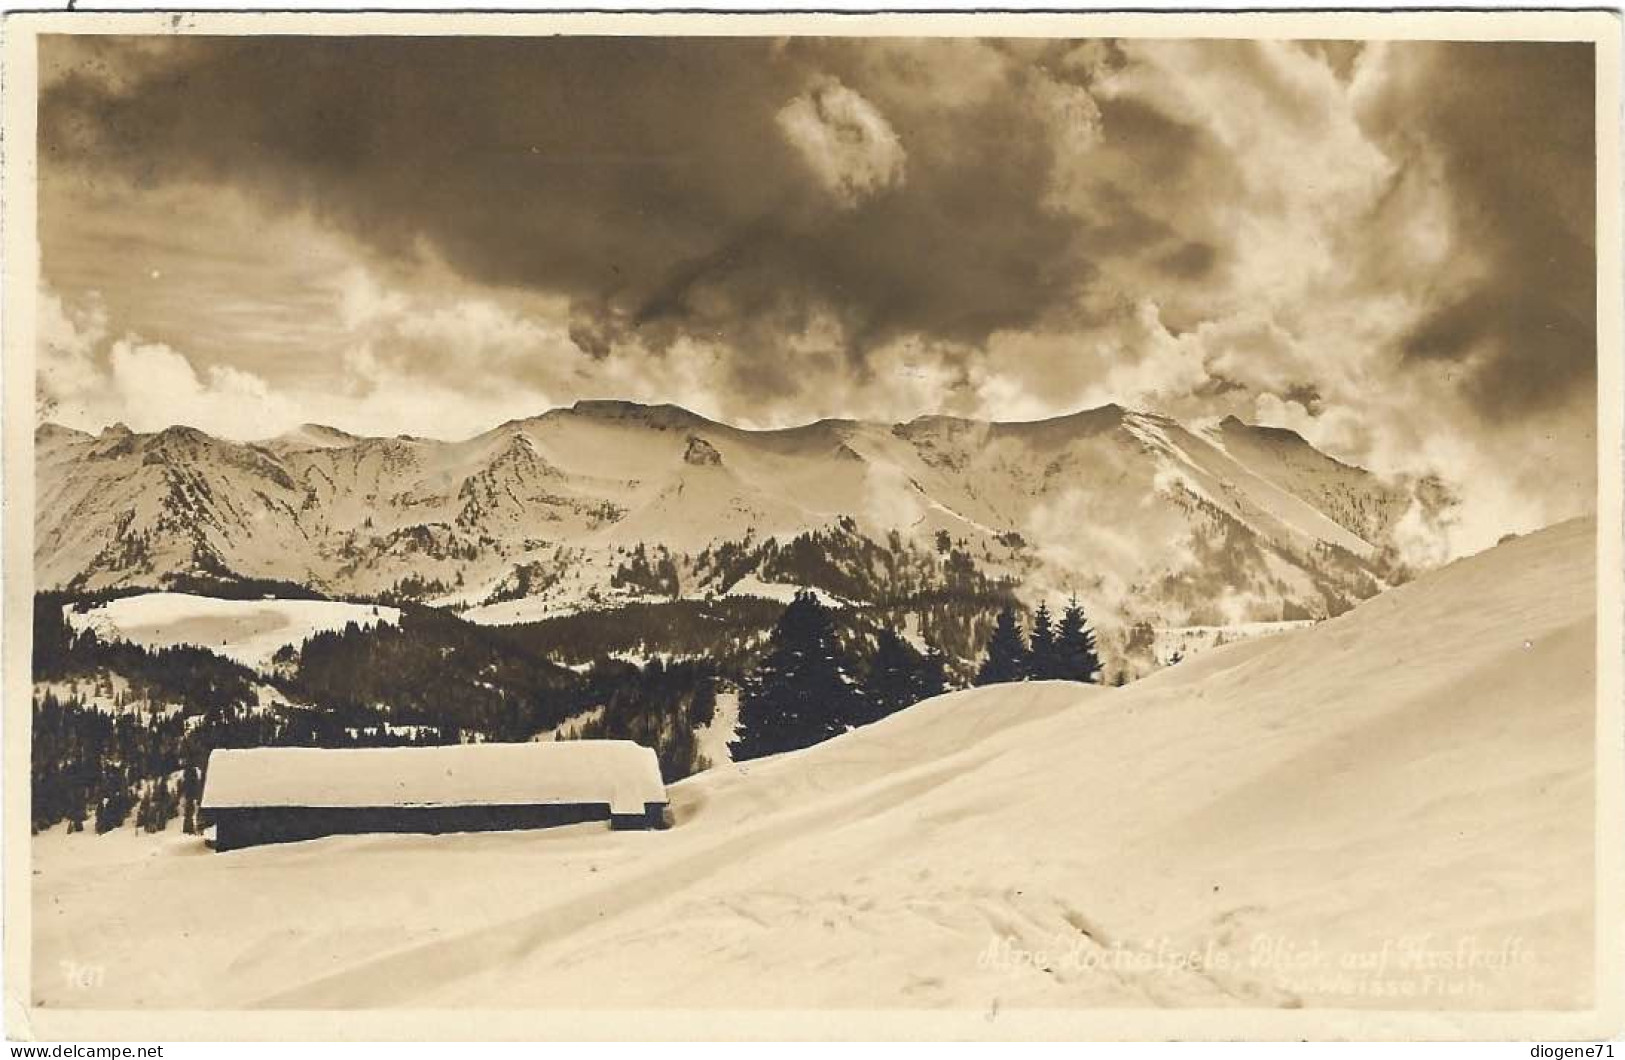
x,y
609,501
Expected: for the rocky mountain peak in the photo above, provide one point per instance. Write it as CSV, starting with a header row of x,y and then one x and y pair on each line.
x,y
701,453
664,417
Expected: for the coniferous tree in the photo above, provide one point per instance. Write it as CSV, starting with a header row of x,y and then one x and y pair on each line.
x,y
1006,651
802,693
1043,661
932,678
894,675
114,807
158,807
143,811
191,791
1075,656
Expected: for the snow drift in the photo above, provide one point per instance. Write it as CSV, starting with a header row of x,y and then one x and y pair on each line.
x,y
1391,809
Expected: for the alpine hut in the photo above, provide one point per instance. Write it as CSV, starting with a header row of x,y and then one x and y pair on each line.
x,y
282,794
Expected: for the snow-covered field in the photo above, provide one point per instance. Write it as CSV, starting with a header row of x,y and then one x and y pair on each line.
x,y
577,594
751,585
1189,640
247,631
1390,809
513,612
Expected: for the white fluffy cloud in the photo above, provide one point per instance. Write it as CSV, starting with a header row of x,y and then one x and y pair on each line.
x,y
1295,174
89,377
86,378
157,386
845,141
67,340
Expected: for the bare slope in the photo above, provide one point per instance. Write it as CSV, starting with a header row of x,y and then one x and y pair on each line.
x,y
1407,788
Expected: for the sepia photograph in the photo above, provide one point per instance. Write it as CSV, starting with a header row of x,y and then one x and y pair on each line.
x,y
983,523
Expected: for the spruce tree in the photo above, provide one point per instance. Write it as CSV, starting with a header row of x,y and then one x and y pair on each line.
x,y
1075,655
894,675
158,806
802,693
932,677
1006,651
143,813
1042,658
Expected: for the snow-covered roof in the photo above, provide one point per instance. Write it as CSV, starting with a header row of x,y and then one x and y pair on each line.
x,y
621,773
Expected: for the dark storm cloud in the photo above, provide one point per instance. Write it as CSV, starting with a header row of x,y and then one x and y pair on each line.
x,y
1191,261
649,180
1513,125
1156,207
1305,394
1340,55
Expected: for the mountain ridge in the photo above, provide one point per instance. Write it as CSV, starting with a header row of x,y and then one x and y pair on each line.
x,y
626,409
1140,515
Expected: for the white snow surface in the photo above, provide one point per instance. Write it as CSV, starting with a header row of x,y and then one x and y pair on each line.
x,y
618,772
1189,640
751,585
246,631
525,609
714,738
1411,779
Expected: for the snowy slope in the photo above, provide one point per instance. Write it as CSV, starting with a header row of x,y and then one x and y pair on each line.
x,y
312,436
1408,781
1343,493
246,631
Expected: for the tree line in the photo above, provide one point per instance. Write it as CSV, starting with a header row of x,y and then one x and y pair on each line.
x,y
811,685
1054,651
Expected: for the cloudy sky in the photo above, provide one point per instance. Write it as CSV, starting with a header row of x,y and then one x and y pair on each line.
x,y
1388,247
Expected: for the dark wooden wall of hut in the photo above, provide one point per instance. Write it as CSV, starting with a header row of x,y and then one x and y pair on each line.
x,y
240,827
